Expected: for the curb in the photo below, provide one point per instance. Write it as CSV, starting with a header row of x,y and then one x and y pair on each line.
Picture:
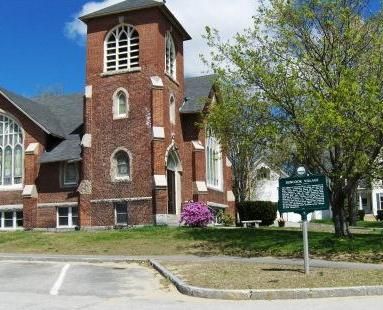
x,y
303,293
73,259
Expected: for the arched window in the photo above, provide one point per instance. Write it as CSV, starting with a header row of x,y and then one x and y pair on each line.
x,y
214,168
121,166
172,110
120,104
170,58
11,152
122,49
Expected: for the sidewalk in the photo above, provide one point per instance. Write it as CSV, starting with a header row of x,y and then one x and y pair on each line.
x,y
189,258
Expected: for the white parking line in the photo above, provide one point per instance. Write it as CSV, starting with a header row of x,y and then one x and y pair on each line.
x,y
55,288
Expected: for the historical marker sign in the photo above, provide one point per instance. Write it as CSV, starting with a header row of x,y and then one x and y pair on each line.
x,y
303,194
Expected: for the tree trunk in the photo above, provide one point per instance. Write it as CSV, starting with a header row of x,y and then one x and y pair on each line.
x,y
339,216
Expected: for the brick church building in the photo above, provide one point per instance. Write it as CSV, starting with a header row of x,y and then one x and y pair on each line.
x,y
128,152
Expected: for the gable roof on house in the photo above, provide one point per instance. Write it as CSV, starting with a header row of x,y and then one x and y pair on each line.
x,y
133,5
36,112
262,160
197,90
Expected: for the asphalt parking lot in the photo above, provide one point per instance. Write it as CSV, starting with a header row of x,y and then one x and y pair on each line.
x,y
96,286
80,279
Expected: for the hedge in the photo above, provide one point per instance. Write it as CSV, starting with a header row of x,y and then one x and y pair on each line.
x,y
258,210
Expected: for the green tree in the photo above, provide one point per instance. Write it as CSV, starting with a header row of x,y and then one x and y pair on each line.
x,y
316,67
235,121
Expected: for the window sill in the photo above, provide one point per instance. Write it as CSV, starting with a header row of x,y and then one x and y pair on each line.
x,y
115,117
11,188
172,79
121,180
11,229
110,73
214,188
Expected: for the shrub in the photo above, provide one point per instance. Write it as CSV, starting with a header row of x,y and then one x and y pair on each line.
x,y
266,211
196,214
361,214
227,220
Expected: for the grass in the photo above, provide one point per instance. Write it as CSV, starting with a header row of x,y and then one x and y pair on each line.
x,y
203,242
262,276
367,224
362,224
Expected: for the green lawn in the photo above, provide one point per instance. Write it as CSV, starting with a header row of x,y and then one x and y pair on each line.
x,y
362,224
173,241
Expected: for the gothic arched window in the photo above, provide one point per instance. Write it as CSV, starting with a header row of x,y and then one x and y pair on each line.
x,y
122,49
120,104
11,152
170,58
214,168
121,165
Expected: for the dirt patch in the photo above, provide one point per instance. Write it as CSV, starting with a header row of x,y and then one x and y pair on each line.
x,y
225,275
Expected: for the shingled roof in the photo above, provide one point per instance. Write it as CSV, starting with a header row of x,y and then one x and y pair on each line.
x,y
66,150
66,108
197,90
38,113
133,5
69,110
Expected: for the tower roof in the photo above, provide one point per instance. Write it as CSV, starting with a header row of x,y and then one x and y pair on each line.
x,y
134,5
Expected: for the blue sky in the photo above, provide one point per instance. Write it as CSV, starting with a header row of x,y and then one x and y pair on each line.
x,y
36,53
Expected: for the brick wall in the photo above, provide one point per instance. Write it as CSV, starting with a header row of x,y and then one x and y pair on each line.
x,y
135,132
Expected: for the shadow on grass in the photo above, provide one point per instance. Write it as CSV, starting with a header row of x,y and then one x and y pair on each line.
x,y
283,269
272,242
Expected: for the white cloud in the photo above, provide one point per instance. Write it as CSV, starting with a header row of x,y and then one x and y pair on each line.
x,y
76,29
228,16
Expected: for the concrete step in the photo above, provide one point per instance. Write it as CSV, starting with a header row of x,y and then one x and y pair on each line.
x,y
173,220
369,218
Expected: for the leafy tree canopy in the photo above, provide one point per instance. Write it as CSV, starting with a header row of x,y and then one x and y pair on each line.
x,y
311,74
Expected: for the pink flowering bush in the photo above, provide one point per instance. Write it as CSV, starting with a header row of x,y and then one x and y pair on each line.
x,y
196,214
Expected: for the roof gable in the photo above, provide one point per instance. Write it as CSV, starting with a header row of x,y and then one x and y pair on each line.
x,y
36,112
134,5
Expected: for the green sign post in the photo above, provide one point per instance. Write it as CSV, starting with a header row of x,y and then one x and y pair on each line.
x,y
303,194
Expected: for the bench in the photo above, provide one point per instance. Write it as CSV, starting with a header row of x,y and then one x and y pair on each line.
x,y
248,223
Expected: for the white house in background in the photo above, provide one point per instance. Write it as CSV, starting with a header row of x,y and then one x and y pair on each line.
x,y
266,189
370,198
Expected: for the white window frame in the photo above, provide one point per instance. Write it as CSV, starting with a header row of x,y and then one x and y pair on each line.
x,y
172,109
116,112
132,62
70,217
170,62
66,183
115,213
14,220
214,163
3,145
